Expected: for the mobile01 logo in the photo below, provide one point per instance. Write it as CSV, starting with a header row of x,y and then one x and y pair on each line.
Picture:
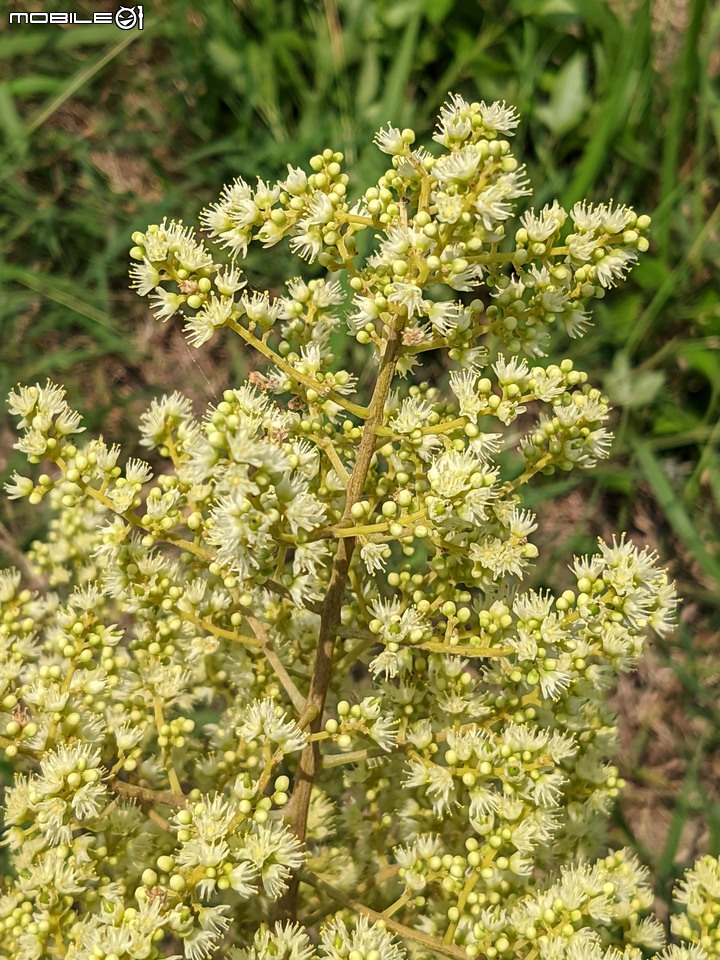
x,y
125,18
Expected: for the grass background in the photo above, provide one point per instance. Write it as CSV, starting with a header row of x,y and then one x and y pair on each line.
x,y
103,132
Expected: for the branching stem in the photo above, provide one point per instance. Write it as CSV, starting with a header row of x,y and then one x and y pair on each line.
x,y
289,369
330,617
432,945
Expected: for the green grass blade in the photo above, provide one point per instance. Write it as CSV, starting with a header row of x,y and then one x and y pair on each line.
x,y
683,807
75,83
105,328
675,511
676,280
611,118
394,102
14,131
683,88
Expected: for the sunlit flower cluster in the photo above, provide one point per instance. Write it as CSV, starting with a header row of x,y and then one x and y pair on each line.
x,y
286,690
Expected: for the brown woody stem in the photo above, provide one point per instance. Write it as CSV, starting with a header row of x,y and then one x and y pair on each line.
x,y
145,795
330,617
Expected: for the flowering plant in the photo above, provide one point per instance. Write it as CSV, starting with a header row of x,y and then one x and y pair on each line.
x,y
286,691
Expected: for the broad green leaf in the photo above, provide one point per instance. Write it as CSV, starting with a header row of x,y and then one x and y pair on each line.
x,y
569,98
628,387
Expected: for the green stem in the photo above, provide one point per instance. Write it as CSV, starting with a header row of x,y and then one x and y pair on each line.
x,y
430,944
362,412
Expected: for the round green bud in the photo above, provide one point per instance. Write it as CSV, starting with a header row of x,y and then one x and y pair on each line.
x,y
177,883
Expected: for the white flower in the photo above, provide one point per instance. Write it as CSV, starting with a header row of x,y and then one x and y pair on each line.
x,y
511,371
165,304
603,216
19,486
275,851
163,415
447,316
385,732
144,277
486,445
215,313
374,556
454,121
409,296
542,226
320,211
287,941
260,309
454,473
327,293
304,512
466,279
365,311
437,781
9,582
521,523
463,384
390,140
307,243
177,239
413,413
267,722
494,204
137,471
338,942
614,266
75,768
575,321
296,181
499,557
236,207
198,852
122,498
229,281
450,207
243,879
458,167
499,117
23,401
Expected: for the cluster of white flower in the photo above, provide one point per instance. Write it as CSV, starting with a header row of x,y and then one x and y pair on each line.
x,y
289,668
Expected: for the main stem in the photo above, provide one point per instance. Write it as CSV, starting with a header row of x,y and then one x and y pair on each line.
x,y
330,617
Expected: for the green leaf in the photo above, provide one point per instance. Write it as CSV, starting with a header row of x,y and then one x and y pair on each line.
x,y
437,10
569,97
628,387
